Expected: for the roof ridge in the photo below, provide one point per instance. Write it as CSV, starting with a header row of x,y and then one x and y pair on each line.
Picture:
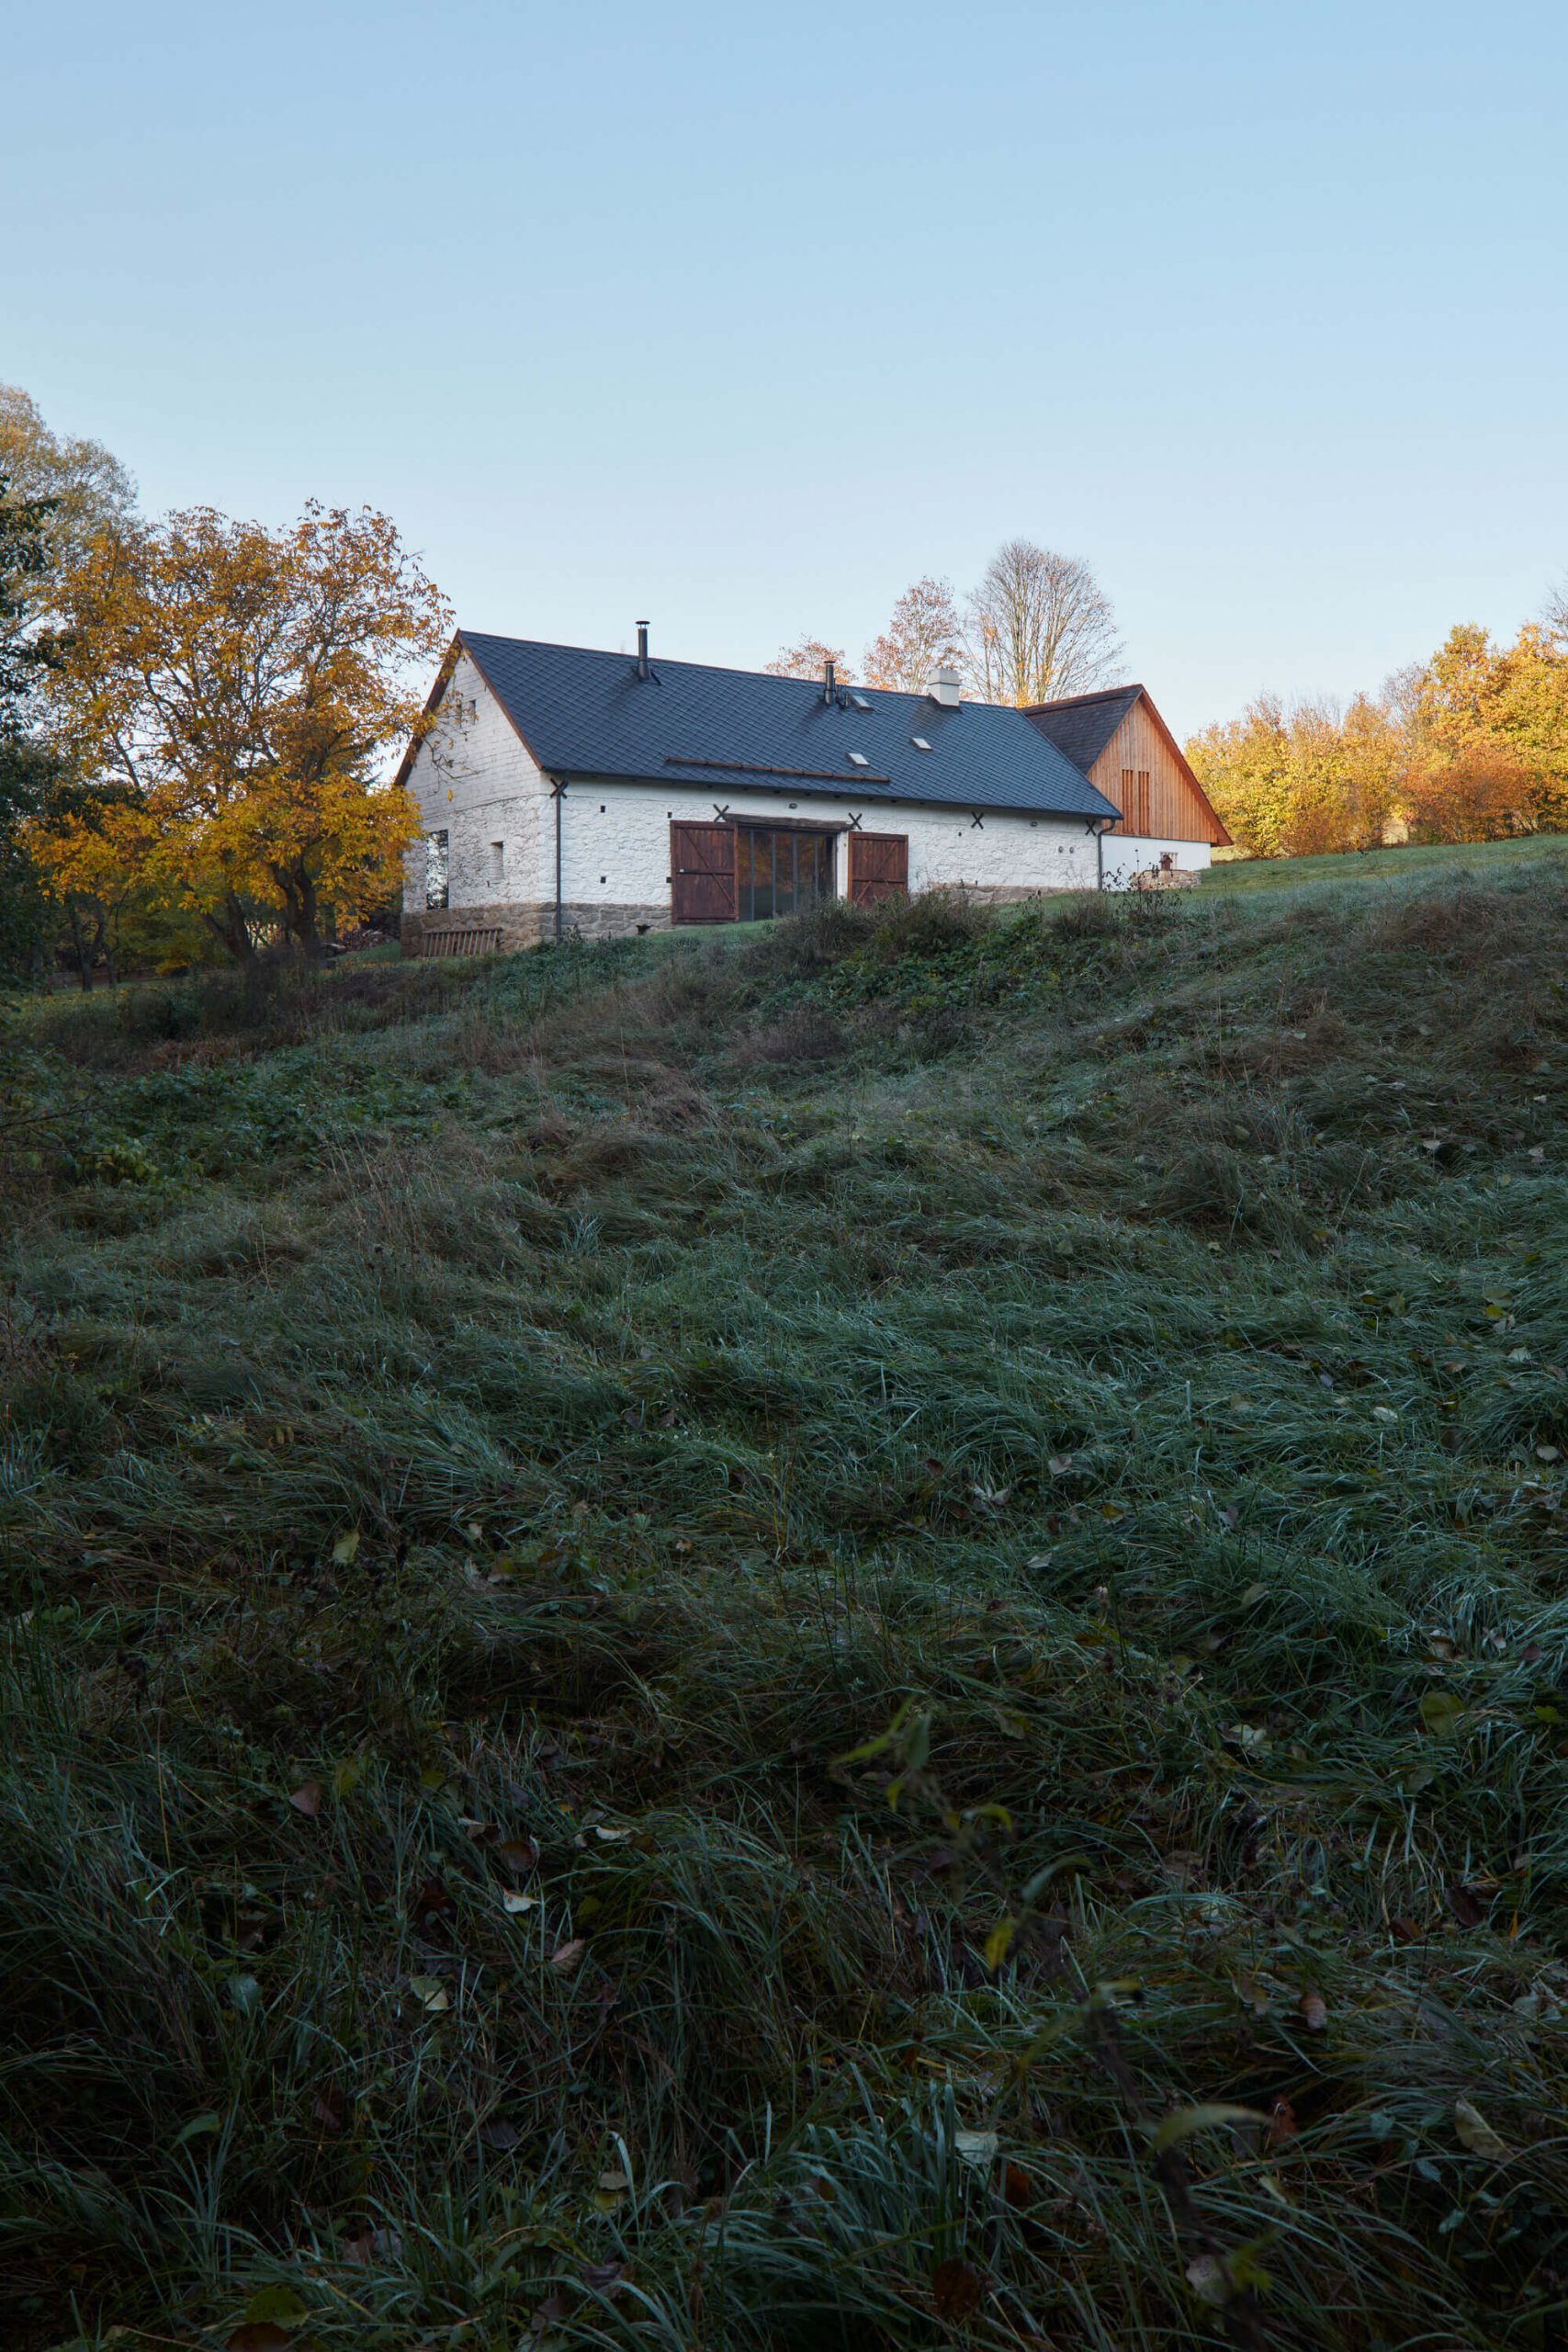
x,y
1097,694
722,668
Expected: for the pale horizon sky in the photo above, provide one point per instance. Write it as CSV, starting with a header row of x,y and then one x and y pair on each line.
x,y
743,322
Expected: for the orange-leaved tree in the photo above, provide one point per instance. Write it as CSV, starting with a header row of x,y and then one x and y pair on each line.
x,y
923,633
1488,736
807,660
237,692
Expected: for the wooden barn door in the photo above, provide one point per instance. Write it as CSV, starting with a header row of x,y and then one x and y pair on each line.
x,y
879,866
702,873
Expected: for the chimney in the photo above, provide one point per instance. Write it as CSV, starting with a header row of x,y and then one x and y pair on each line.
x,y
642,650
829,687
944,688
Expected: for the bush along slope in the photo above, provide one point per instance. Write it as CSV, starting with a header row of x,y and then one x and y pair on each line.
x,y
848,1637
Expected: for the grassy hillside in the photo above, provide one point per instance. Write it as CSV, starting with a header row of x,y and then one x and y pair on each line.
x,y
1479,861
714,1644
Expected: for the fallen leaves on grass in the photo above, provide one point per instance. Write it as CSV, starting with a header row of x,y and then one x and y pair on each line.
x,y
958,2289
1442,1713
1476,2133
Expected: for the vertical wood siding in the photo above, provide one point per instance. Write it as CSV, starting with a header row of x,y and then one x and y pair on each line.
x,y
1139,772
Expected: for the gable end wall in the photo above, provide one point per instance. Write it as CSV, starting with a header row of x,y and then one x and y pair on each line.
x,y
473,777
1175,813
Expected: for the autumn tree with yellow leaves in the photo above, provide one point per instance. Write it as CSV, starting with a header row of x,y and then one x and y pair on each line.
x,y
1471,745
231,696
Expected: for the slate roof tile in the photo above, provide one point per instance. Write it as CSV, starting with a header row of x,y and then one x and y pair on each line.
x,y
586,713
1082,725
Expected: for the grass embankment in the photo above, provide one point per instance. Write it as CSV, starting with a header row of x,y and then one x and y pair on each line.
x,y
1481,861
484,1443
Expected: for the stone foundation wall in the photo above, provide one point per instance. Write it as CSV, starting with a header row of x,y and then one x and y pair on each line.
x,y
1017,894
526,925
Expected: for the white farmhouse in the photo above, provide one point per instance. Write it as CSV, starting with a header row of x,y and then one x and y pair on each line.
x,y
566,790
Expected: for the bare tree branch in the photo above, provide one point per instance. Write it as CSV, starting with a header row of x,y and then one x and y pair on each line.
x,y
1039,625
923,633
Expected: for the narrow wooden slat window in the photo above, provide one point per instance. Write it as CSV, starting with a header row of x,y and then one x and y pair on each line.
x,y
1126,825
1142,800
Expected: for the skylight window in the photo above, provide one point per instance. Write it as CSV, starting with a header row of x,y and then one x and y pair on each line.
x,y
860,701
919,742
859,760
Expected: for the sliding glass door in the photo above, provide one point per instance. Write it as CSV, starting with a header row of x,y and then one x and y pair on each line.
x,y
780,873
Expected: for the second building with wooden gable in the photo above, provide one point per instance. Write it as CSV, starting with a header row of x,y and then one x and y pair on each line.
x,y
1119,740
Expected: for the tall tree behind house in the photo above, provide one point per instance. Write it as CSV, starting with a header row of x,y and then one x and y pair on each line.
x,y
807,660
923,633
1038,626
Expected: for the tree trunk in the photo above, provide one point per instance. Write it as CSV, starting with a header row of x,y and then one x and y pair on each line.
x,y
302,909
101,948
83,964
231,930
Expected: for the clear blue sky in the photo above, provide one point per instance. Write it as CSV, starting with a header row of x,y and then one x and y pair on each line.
x,y
742,317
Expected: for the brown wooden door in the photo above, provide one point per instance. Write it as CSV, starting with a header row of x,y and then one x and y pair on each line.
x,y
702,873
879,866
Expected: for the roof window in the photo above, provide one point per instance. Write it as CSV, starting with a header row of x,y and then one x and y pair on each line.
x,y
919,742
860,701
859,760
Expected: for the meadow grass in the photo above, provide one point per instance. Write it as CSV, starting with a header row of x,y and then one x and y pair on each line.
x,y
1400,861
852,1636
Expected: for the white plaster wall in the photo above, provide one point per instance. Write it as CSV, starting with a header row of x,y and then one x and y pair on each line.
x,y
472,777
615,840
1130,853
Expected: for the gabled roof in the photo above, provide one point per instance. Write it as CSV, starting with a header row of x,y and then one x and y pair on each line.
x,y
1082,725
586,713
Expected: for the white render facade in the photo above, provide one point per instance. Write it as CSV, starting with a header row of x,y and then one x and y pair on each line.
x,y
509,857
477,784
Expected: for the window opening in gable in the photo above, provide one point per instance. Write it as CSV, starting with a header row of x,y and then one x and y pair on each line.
x,y
437,871
498,861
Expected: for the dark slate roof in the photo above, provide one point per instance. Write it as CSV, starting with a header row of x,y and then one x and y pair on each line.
x,y
587,713
1082,725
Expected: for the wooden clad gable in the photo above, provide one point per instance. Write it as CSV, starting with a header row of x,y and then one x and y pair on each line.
x,y
1119,740
1142,769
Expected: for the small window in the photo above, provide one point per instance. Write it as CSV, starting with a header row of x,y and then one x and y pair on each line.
x,y
436,871
859,760
860,701
498,861
919,742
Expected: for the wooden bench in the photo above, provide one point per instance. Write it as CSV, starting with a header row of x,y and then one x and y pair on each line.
x,y
455,941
